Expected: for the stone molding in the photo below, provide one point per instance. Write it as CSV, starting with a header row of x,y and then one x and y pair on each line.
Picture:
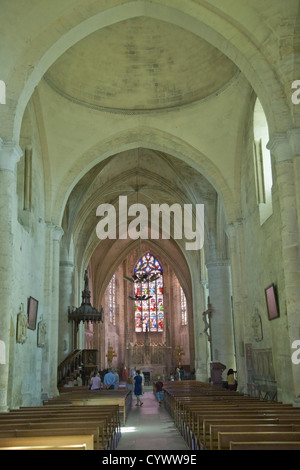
x,y
294,139
220,263
279,146
56,231
10,154
67,265
232,227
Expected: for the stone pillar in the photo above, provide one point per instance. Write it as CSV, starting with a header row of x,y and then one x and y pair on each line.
x,y
10,154
49,376
294,141
202,345
235,234
281,149
66,272
222,338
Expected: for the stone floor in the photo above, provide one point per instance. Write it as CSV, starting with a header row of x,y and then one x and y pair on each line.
x,y
150,427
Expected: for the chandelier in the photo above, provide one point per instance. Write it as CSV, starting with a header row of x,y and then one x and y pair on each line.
x,y
141,278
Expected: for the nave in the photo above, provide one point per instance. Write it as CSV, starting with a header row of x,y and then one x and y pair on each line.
x,y
150,427
195,416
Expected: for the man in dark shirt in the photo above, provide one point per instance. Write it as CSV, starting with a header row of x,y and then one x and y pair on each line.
x,y
159,390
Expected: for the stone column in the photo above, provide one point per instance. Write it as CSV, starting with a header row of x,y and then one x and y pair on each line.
x,y
294,141
49,376
281,149
222,338
10,154
202,345
66,273
235,234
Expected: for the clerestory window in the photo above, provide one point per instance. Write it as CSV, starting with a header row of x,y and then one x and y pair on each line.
x,y
112,300
262,163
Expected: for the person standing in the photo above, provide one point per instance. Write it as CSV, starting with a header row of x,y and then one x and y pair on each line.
x,y
109,380
138,388
143,382
117,379
159,390
231,382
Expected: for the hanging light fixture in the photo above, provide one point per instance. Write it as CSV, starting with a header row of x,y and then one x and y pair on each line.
x,y
86,312
140,278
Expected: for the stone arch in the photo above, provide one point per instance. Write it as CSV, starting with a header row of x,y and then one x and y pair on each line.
x,y
147,137
220,29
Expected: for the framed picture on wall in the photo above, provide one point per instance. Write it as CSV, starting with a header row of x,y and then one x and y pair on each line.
x,y
32,312
272,302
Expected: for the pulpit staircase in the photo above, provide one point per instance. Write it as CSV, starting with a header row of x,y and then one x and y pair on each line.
x,y
79,361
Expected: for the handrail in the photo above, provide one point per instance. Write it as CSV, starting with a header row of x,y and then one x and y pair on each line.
x,y
67,367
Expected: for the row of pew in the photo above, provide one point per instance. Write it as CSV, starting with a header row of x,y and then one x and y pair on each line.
x,y
219,419
75,420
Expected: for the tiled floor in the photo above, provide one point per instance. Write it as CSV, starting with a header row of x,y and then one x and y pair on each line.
x,y
150,427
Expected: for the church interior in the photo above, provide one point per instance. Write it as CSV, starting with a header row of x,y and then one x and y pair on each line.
x,y
108,111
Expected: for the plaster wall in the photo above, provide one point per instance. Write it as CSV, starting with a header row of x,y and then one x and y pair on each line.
x,y
264,266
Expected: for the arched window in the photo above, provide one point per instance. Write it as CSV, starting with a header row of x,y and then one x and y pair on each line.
x,y
2,353
112,300
183,307
262,163
2,92
149,313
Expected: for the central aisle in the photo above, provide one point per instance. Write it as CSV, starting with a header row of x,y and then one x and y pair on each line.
x,y
150,427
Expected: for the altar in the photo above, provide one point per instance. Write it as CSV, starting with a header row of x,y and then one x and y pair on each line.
x,y
153,359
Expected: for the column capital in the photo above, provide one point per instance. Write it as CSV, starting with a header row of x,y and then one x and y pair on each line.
x,y
56,231
67,265
294,139
232,227
10,154
279,146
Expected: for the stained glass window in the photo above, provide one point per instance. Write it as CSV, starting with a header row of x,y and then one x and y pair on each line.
x,y
183,307
149,314
112,300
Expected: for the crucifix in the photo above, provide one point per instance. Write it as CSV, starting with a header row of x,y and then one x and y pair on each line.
x,y
207,323
110,355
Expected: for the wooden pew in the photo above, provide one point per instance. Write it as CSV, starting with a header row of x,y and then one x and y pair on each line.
x,y
80,442
224,438
52,432
70,428
239,418
121,398
199,425
265,445
193,406
108,413
106,420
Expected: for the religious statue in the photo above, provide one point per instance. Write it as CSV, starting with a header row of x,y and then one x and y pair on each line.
x,y
22,324
42,334
257,326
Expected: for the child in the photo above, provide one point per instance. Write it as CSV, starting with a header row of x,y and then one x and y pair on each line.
x,y
159,390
